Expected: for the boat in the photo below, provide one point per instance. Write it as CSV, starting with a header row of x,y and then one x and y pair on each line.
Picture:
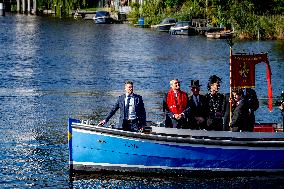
x,y
102,17
162,150
219,35
183,28
166,24
180,28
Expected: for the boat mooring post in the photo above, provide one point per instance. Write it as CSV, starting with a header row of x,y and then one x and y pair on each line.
x,y
29,6
54,10
60,11
2,9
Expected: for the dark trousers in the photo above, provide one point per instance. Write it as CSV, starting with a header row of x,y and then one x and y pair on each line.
x,y
282,118
192,124
130,125
173,123
214,124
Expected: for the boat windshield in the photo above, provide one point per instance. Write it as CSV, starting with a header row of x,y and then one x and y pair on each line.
x,y
169,21
180,24
102,13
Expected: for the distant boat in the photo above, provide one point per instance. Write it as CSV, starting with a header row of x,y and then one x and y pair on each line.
x,y
102,17
171,150
180,28
183,28
219,35
166,24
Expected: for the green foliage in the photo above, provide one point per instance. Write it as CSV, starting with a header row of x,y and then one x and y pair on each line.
x,y
249,18
243,19
171,3
279,28
271,27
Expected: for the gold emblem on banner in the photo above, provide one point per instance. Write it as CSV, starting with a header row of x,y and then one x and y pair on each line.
x,y
244,71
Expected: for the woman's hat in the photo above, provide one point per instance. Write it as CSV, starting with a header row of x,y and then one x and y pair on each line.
x,y
195,83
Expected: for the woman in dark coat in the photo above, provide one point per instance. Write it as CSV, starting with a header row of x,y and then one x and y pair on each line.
x,y
215,102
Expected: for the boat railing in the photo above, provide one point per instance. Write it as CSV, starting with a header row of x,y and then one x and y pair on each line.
x,y
224,138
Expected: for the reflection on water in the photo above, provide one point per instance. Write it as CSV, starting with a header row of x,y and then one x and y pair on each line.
x,y
54,69
169,182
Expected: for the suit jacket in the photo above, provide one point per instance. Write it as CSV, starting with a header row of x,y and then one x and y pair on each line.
x,y
199,110
139,109
240,116
253,104
226,110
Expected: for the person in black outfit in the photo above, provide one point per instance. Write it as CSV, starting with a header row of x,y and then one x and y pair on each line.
x,y
226,110
215,102
253,104
240,112
281,107
198,107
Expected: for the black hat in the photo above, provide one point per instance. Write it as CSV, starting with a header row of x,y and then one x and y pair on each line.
x,y
195,83
213,79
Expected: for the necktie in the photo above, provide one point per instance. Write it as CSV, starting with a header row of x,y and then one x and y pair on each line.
x,y
126,109
196,101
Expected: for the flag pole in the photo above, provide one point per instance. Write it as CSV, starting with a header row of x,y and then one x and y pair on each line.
x,y
230,42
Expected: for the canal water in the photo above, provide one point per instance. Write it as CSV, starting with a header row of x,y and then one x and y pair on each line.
x,y
53,69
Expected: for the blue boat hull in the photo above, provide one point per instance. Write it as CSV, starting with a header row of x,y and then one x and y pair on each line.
x,y
92,149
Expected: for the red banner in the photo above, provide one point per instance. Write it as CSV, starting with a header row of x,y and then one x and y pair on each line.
x,y
243,72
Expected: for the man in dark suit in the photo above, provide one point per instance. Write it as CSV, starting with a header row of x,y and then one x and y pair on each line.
x,y
240,112
281,107
226,110
253,104
198,110
132,110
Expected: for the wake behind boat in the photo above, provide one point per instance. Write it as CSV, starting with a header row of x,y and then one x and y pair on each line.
x,y
170,150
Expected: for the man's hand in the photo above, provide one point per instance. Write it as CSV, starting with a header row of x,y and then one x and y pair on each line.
x,y
101,123
281,107
177,116
199,120
218,114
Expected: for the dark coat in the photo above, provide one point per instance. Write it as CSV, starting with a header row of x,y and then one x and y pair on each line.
x,y
139,109
240,117
197,111
215,107
252,104
226,110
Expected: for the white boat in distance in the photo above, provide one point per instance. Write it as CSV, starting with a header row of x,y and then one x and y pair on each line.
x,y
102,17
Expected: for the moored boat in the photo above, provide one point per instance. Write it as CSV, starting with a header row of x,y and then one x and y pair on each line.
x,y
170,150
219,35
180,28
102,17
166,24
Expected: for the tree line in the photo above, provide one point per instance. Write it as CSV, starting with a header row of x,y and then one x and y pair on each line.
x,y
250,19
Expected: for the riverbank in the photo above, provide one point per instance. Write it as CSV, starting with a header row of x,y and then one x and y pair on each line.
x,y
241,18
